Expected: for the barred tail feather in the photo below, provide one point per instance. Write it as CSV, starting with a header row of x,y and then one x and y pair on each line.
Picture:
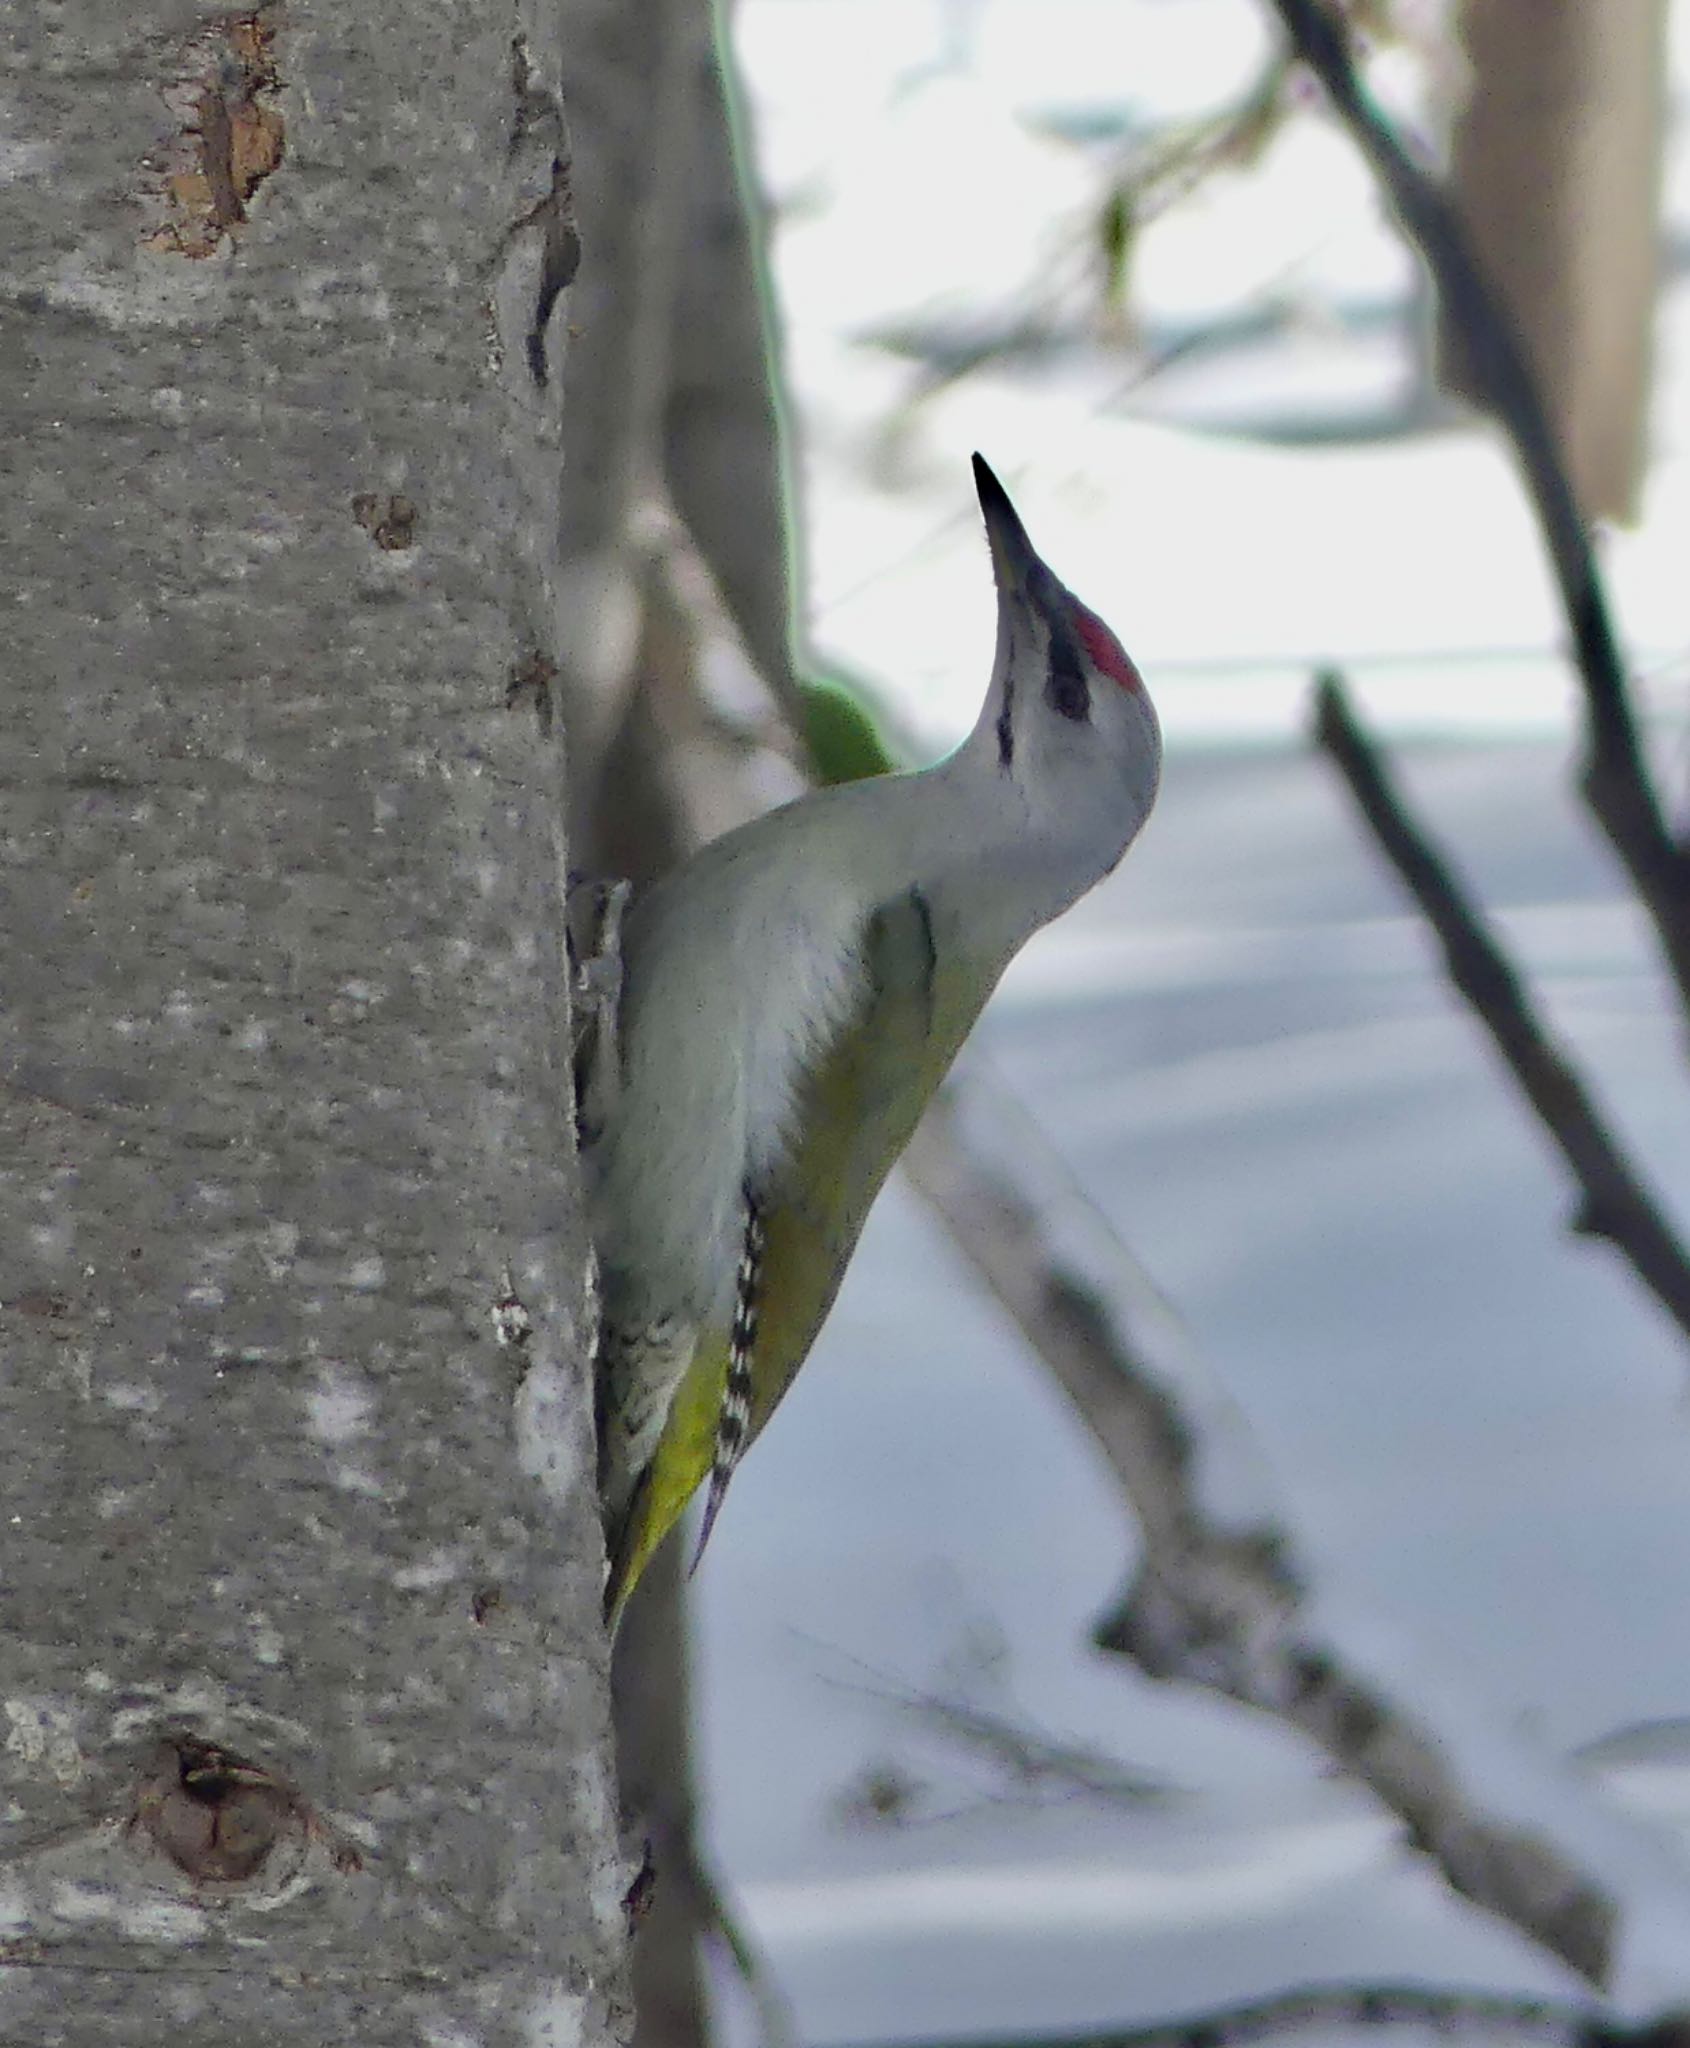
x,y
733,1420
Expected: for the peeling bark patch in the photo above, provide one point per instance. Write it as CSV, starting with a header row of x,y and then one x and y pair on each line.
x,y
560,260
560,257
230,139
531,680
389,519
636,1900
537,132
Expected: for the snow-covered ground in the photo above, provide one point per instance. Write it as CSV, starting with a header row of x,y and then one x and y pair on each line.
x,y
1242,1045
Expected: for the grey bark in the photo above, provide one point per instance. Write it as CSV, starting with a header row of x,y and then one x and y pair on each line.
x,y
303,1693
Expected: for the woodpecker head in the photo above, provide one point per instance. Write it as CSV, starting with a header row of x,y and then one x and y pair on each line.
x,y
1068,719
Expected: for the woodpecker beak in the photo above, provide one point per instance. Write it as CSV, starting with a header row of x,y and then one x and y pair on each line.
x,y
1014,564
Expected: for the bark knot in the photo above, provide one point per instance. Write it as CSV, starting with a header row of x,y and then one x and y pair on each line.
x,y
389,518
219,1817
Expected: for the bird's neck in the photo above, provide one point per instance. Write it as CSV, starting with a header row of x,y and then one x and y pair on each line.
x,y
1016,865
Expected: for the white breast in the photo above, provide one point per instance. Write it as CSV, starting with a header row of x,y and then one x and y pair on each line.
x,y
741,968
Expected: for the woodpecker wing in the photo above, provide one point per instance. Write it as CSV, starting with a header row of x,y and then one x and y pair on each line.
x,y
858,1110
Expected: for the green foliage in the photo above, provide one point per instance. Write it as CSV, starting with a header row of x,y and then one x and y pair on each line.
x,y
844,736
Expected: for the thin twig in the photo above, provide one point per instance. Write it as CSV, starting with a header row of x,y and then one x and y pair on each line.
x,y
1616,781
1024,1752
1034,1759
1174,166
1614,1203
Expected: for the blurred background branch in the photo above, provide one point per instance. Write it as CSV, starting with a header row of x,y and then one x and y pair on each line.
x,y
1219,1598
1617,782
1614,1204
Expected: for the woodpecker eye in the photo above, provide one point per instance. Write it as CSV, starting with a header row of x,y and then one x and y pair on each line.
x,y
1106,652
1066,687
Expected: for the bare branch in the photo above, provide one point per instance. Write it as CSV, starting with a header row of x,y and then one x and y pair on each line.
x,y
1616,782
1220,1599
1614,1203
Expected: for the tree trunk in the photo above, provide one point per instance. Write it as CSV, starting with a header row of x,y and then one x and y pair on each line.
x,y
304,1684
1557,168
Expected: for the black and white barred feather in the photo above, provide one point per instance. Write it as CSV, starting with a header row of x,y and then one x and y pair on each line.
x,y
733,1420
